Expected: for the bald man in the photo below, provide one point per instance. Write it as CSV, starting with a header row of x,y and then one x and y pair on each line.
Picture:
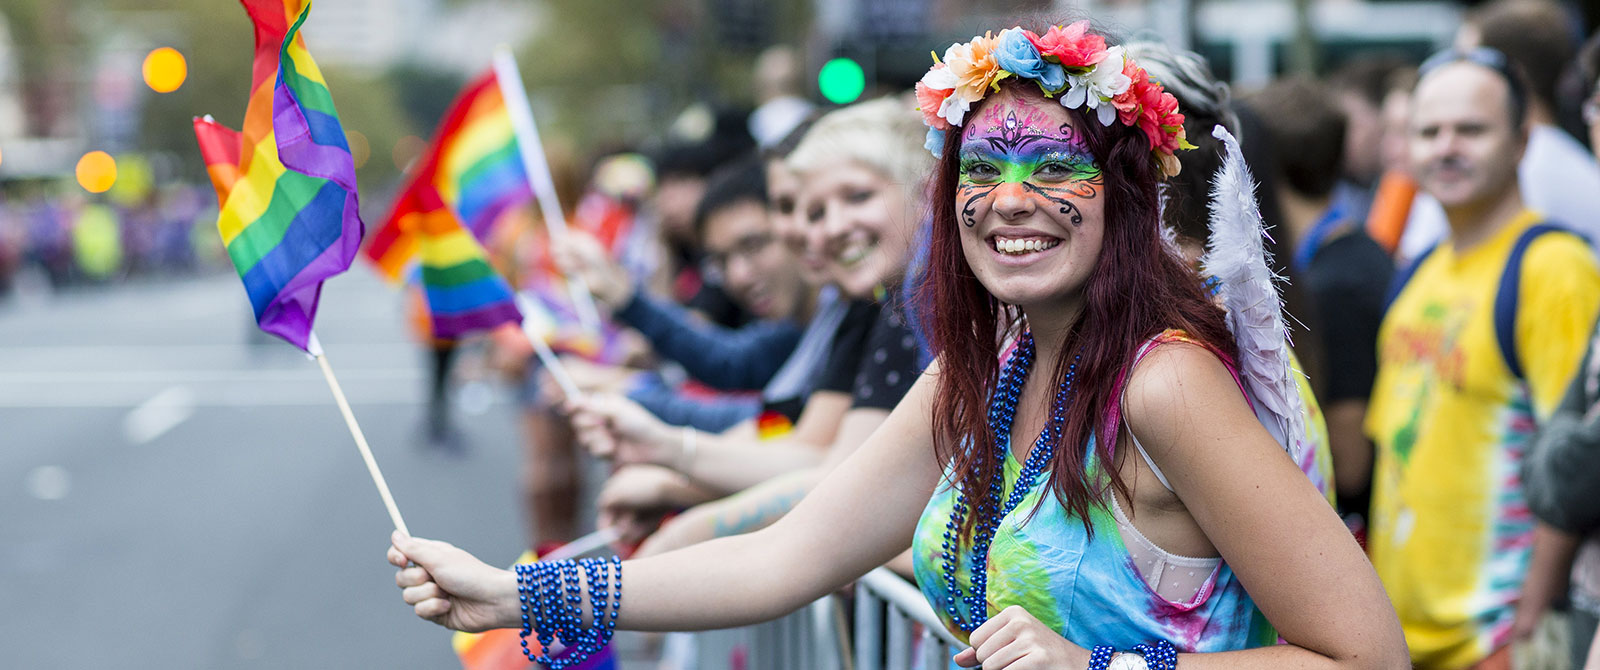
x,y
1474,353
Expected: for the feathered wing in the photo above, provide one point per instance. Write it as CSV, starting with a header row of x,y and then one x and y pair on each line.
x,y
1238,259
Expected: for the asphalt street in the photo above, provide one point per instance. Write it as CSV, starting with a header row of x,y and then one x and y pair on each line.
x,y
180,493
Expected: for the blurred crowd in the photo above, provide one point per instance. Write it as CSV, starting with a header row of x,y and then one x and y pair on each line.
x,y
57,236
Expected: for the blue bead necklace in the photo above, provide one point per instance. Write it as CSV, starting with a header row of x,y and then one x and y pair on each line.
x,y
552,608
1002,412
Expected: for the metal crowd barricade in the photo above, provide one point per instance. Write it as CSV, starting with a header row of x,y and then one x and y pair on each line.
x,y
813,638
894,629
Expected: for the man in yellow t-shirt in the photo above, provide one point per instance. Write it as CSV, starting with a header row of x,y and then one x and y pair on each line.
x,y
1474,352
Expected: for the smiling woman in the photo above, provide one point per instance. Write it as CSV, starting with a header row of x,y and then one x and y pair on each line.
x,y
861,175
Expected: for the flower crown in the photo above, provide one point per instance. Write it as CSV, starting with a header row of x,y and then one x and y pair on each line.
x,y
1067,61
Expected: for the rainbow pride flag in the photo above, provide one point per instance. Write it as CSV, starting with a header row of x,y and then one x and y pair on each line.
x,y
471,174
286,184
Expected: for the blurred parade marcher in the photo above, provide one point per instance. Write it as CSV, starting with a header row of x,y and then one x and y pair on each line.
x,y
1036,577
1185,209
13,242
739,245
1473,356
1346,274
1559,178
1358,88
780,106
49,234
1362,88
1397,190
440,355
861,171
97,244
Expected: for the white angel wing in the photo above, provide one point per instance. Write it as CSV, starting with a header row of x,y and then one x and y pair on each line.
x,y
1238,259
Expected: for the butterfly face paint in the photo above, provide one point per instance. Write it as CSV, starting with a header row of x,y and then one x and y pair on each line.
x,y
1016,143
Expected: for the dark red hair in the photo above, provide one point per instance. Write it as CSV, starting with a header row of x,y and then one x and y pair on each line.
x,y
1136,290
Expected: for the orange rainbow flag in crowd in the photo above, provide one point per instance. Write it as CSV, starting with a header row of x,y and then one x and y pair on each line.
x,y
471,174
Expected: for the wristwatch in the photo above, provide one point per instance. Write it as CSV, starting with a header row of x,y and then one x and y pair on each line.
x,y
1128,661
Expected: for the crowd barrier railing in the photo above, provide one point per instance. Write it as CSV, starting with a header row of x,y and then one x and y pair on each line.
x,y
893,629
896,629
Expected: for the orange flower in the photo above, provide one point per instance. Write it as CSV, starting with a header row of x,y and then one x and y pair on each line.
x,y
974,67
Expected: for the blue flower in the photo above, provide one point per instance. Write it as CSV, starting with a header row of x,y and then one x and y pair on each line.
x,y
1015,53
934,142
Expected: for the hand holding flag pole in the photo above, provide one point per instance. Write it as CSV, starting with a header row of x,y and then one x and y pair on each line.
x,y
532,327
538,168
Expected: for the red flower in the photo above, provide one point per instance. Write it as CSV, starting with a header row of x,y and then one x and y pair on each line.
x,y
1128,102
1163,115
1072,46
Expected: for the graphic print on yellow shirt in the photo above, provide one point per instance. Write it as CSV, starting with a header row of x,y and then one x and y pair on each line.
x,y
1451,533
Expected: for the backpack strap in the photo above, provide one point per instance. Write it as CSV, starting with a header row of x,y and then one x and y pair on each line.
x,y
1398,284
1507,295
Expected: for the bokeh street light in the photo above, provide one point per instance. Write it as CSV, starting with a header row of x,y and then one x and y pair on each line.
x,y
97,172
360,148
165,69
841,81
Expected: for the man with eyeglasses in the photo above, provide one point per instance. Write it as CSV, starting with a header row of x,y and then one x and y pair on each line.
x,y
1478,345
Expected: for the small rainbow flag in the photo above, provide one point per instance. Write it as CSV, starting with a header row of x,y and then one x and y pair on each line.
x,y
471,174
286,184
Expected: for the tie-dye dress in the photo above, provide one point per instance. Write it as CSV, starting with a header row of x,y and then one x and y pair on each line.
x,y
1085,588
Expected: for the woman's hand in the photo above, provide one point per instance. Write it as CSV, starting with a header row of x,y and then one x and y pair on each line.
x,y
451,588
579,254
611,426
634,501
1015,640
510,350
641,487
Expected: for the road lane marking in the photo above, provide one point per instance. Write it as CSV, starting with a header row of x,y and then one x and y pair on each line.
x,y
49,482
161,413
198,376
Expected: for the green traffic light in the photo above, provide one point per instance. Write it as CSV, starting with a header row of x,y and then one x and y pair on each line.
x,y
841,81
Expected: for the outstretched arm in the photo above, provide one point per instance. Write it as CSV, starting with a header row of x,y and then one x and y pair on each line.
x,y
736,580
613,427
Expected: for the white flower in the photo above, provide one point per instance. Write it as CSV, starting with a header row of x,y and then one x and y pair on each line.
x,y
940,79
1095,89
954,109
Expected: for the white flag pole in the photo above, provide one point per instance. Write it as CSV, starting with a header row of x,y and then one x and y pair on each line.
x,y
537,166
314,348
542,348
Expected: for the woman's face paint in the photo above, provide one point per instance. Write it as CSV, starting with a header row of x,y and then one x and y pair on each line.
x,y
1021,144
1029,200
